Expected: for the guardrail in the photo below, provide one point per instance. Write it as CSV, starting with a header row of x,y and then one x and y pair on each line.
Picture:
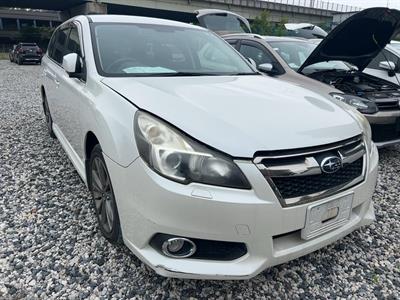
x,y
317,4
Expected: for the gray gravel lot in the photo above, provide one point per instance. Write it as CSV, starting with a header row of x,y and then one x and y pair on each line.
x,y
50,247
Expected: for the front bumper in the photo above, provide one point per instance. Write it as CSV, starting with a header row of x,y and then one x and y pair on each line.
x,y
150,204
385,126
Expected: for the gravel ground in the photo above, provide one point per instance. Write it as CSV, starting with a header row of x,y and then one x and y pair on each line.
x,y
50,247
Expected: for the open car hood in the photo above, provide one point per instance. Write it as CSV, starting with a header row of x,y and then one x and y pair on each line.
x,y
305,30
222,21
359,39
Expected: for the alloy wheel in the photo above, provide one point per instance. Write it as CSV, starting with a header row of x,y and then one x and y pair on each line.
x,y
102,194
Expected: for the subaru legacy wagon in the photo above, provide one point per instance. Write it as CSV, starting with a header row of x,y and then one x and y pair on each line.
x,y
199,164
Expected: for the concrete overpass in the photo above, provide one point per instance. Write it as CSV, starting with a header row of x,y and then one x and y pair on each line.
x,y
293,10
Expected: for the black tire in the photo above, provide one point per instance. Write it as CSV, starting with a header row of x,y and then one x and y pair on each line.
x,y
100,186
48,118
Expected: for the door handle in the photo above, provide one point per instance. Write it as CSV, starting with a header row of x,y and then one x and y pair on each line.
x,y
50,74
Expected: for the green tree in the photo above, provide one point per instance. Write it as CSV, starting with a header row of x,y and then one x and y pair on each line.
x,y
261,24
280,28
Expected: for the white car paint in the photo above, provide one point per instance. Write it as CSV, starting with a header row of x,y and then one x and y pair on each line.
x,y
238,115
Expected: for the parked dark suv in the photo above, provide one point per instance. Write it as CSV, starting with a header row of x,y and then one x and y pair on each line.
x,y
27,52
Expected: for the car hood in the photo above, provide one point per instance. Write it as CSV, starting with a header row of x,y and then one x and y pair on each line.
x,y
358,39
222,21
240,115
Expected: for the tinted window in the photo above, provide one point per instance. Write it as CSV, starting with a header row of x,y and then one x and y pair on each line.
x,y
51,44
73,44
151,50
58,50
384,55
256,53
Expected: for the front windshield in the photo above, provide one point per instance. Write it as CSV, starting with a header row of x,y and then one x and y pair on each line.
x,y
159,50
295,54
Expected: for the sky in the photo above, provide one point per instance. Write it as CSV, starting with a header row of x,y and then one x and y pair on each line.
x,y
369,3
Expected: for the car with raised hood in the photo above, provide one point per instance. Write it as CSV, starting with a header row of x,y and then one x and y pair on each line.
x,y
305,30
338,61
225,22
200,165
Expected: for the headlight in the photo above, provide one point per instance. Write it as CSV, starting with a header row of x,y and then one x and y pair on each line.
x,y
364,106
366,128
177,157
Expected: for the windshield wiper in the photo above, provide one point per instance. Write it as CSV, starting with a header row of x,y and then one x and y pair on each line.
x,y
331,70
244,74
188,74
176,74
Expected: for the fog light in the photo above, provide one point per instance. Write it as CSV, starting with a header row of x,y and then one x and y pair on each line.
x,y
178,247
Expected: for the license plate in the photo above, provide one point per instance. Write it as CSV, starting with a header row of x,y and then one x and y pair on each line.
x,y
324,217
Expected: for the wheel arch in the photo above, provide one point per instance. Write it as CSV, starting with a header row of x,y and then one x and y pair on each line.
x,y
91,141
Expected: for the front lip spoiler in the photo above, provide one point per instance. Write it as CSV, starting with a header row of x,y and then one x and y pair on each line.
x,y
387,143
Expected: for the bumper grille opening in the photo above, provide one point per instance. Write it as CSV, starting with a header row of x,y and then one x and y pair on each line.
x,y
385,132
296,186
205,249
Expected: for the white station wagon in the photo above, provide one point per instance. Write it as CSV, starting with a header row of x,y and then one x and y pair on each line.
x,y
200,165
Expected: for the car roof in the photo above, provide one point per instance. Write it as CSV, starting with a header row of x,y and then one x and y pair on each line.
x,y
138,20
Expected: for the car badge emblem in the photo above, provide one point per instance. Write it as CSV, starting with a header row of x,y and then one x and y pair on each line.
x,y
331,164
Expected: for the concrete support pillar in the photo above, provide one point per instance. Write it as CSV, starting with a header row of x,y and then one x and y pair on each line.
x,y
34,23
1,24
51,24
88,8
18,25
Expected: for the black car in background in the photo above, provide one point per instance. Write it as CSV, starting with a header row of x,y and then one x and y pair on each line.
x,y
26,52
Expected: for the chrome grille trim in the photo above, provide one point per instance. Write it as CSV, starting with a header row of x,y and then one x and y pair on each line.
x,y
358,138
306,164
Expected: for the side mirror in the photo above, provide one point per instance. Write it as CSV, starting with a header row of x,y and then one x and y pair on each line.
x,y
266,68
387,65
71,63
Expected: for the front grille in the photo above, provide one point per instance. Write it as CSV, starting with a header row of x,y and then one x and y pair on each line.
x,y
297,177
385,132
296,186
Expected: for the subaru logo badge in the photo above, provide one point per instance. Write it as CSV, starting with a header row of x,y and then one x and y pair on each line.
x,y
331,164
